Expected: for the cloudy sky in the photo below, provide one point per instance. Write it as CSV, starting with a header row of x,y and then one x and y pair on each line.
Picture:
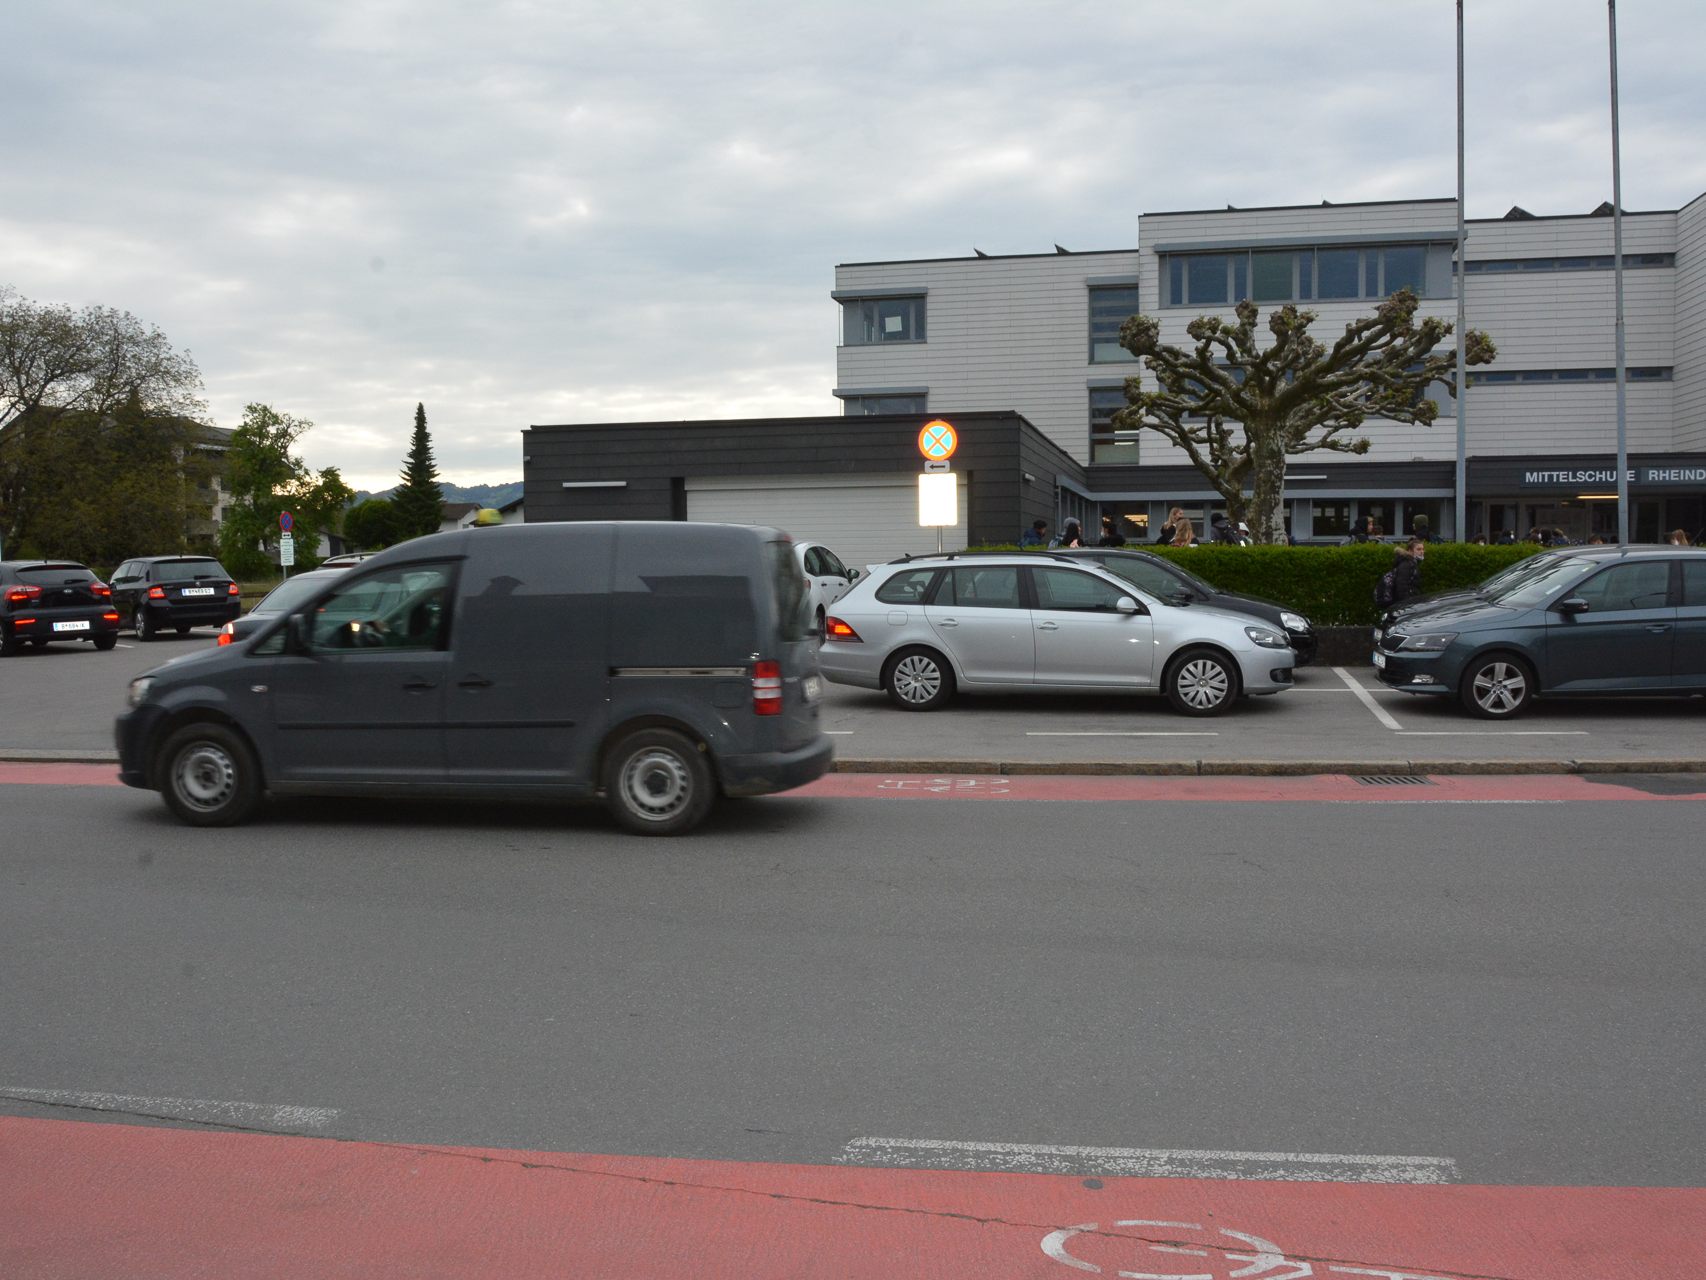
x,y
558,211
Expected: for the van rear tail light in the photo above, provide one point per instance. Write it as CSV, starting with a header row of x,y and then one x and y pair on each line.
x,y
767,688
156,593
17,595
234,590
836,629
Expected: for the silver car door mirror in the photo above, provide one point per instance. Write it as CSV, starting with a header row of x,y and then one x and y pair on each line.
x,y
1125,604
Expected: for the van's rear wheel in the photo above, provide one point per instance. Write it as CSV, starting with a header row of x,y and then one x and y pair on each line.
x,y
657,783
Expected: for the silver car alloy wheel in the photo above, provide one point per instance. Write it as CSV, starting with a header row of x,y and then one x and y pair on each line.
x,y
917,678
655,784
204,776
1203,683
1499,688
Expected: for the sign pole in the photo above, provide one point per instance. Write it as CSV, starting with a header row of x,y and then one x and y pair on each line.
x,y
1462,480
1617,271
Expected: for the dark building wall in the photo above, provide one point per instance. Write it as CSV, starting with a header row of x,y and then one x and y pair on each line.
x,y
655,459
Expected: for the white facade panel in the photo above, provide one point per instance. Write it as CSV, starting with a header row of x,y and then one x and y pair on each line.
x,y
863,519
1690,344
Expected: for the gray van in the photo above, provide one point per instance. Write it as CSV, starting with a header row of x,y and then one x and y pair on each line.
x,y
655,665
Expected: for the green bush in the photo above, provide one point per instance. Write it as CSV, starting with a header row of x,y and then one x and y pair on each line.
x,y
1332,586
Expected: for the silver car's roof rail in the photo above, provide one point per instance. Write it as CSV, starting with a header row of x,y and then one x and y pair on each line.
x,y
908,558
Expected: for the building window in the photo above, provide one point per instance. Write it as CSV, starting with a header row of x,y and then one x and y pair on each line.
x,y
1644,373
1106,444
871,320
862,406
1302,275
1110,307
1597,262
1330,520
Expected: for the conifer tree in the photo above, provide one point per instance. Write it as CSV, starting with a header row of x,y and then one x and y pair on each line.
x,y
418,501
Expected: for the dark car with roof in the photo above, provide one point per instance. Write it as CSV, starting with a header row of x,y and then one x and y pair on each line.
x,y
294,590
44,602
1178,586
174,593
1588,621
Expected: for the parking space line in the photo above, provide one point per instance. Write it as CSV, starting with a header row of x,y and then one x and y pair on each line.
x,y
1492,733
1367,700
1119,733
210,1111
838,733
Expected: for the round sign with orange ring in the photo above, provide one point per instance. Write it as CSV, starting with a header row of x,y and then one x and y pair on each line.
x,y
938,440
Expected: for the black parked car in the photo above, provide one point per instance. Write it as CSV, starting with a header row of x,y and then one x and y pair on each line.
x,y
44,601
1626,620
1166,580
160,593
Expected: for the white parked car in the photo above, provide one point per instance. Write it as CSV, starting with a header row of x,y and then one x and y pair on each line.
x,y
826,577
923,629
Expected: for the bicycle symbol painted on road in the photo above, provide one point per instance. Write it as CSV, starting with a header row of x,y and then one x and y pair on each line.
x,y
1261,1259
949,786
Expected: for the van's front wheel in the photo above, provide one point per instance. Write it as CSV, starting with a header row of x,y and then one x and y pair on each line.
x,y
657,783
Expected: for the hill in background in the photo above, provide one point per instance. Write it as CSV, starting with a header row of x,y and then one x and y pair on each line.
x,y
486,495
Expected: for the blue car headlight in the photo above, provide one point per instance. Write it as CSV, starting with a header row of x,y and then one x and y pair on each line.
x,y
1432,642
1267,639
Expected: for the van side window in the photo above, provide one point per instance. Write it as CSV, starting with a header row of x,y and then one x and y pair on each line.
x,y
911,586
405,607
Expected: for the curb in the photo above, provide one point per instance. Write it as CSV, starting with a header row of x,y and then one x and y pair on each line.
x,y
1129,768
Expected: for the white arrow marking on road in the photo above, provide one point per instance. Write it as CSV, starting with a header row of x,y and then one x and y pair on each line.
x,y
247,1115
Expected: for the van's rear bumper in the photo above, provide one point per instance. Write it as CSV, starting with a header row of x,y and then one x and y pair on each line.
x,y
760,775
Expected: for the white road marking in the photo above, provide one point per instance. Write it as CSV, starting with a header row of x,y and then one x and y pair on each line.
x,y
839,733
1492,733
249,1115
1367,700
1119,733
122,645
1140,1162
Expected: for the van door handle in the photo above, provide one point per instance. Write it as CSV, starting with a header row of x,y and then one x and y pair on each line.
x,y
1048,626
474,682
418,685
1658,628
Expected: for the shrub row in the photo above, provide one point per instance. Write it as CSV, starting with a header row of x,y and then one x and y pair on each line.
x,y
1332,586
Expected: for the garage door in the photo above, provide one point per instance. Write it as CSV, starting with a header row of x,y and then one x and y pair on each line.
x,y
863,519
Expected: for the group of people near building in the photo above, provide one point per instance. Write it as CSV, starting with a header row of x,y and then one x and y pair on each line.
x,y
1179,531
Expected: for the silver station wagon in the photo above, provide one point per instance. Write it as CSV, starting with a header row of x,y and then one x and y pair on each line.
x,y
925,628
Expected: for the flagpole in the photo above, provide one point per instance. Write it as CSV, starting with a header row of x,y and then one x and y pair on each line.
x,y
1617,273
1462,525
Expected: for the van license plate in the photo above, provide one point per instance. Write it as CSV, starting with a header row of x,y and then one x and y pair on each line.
x,y
812,687
1379,660
196,591
71,626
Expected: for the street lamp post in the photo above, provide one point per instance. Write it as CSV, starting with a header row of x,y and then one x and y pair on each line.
x,y
1462,525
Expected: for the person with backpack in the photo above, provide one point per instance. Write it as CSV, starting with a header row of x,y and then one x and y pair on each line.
x,y
1404,579
1071,534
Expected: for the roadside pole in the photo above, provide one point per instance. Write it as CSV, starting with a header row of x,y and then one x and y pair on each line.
x,y
938,487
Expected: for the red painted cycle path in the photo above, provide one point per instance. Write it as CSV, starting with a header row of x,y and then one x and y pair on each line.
x,y
1316,788
88,1201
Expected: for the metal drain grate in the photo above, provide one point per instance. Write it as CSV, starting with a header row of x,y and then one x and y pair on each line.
x,y
1393,780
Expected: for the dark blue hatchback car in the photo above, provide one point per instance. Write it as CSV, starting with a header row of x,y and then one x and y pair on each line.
x,y
1629,622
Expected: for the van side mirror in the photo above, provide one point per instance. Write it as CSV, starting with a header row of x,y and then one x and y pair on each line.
x,y
1125,604
296,633
1574,605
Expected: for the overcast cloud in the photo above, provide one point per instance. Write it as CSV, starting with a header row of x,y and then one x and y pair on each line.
x,y
567,212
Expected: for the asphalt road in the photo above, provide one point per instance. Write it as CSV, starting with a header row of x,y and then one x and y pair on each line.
x,y
63,700
1517,987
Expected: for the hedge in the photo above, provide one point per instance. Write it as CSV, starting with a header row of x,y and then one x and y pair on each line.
x,y
1332,586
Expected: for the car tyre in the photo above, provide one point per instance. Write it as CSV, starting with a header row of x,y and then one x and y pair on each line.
x,y
1497,686
142,624
1202,682
103,643
918,680
208,775
9,645
658,783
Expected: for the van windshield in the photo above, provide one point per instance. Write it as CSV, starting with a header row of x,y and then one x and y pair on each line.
x,y
790,587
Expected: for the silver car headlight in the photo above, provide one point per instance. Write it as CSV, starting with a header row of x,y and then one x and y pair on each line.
x,y
139,690
1433,642
1267,639
1293,621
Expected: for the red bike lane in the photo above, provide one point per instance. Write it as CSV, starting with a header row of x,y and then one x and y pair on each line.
x,y
97,1201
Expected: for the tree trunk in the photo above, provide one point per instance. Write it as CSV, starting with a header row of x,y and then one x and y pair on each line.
x,y
1267,454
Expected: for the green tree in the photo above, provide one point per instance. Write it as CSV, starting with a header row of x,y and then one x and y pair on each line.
x,y
266,477
371,525
418,502
1239,409
63,373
